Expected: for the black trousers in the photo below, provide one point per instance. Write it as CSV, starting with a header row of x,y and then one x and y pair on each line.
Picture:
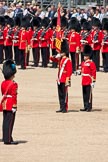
x,y
22,59
48,54
16,55
1,53
36,56
105,61
54,53
82,57
96,58
44,54
75,60
63,96
8,52
87,97
8,123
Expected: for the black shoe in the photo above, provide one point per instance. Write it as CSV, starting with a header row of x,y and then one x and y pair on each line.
x,y
58,111
83,109
11,143
88,110
64,111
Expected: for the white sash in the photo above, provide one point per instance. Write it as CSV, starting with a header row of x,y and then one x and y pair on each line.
x,y
61,70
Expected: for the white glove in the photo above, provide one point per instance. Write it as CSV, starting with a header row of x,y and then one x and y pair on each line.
x,y
13,110
92,84
58,55
78,72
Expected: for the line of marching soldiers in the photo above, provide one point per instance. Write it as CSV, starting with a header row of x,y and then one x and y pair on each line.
x,y
19,36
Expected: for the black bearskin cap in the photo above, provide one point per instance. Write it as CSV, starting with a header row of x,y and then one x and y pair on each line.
x,y
54,21
83,21
2,21
9,69
45,22
65,47
10,21
86,26
96,22
36,22
17,21
87,50
74,24
104,21
24,22
64,21
105,26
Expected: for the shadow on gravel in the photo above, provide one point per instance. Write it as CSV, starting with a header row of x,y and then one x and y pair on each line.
x,y
73,111
97,110
22,141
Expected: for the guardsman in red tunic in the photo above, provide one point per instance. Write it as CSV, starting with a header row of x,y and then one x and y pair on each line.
x,y
24,44
104,47
88,71
9,101
16,32
74,44
8,37
64,75
44,42
35,42
2,23
85,37
96,42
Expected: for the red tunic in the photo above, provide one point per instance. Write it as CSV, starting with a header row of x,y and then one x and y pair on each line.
x,y
24,39
67,72
87,38
8,36
96,46
1,37
52,39
35,39
88,70
105,45
44,39
74,41
10,100
16,36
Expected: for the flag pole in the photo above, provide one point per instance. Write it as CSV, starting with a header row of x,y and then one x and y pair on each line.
x,y
58,30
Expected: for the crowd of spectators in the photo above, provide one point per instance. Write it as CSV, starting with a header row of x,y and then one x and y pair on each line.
x,y
18,10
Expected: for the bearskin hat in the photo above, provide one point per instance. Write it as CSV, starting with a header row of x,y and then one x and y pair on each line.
x,y
104,21
6,17
54,21
10,21
87,50
86,26
45,22
2,21
9,69
65,47
105,26
24,22
83,20
64,21
96,22
17,21
36,22
74,24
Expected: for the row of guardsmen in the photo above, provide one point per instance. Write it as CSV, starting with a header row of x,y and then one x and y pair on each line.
x,y
39,36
